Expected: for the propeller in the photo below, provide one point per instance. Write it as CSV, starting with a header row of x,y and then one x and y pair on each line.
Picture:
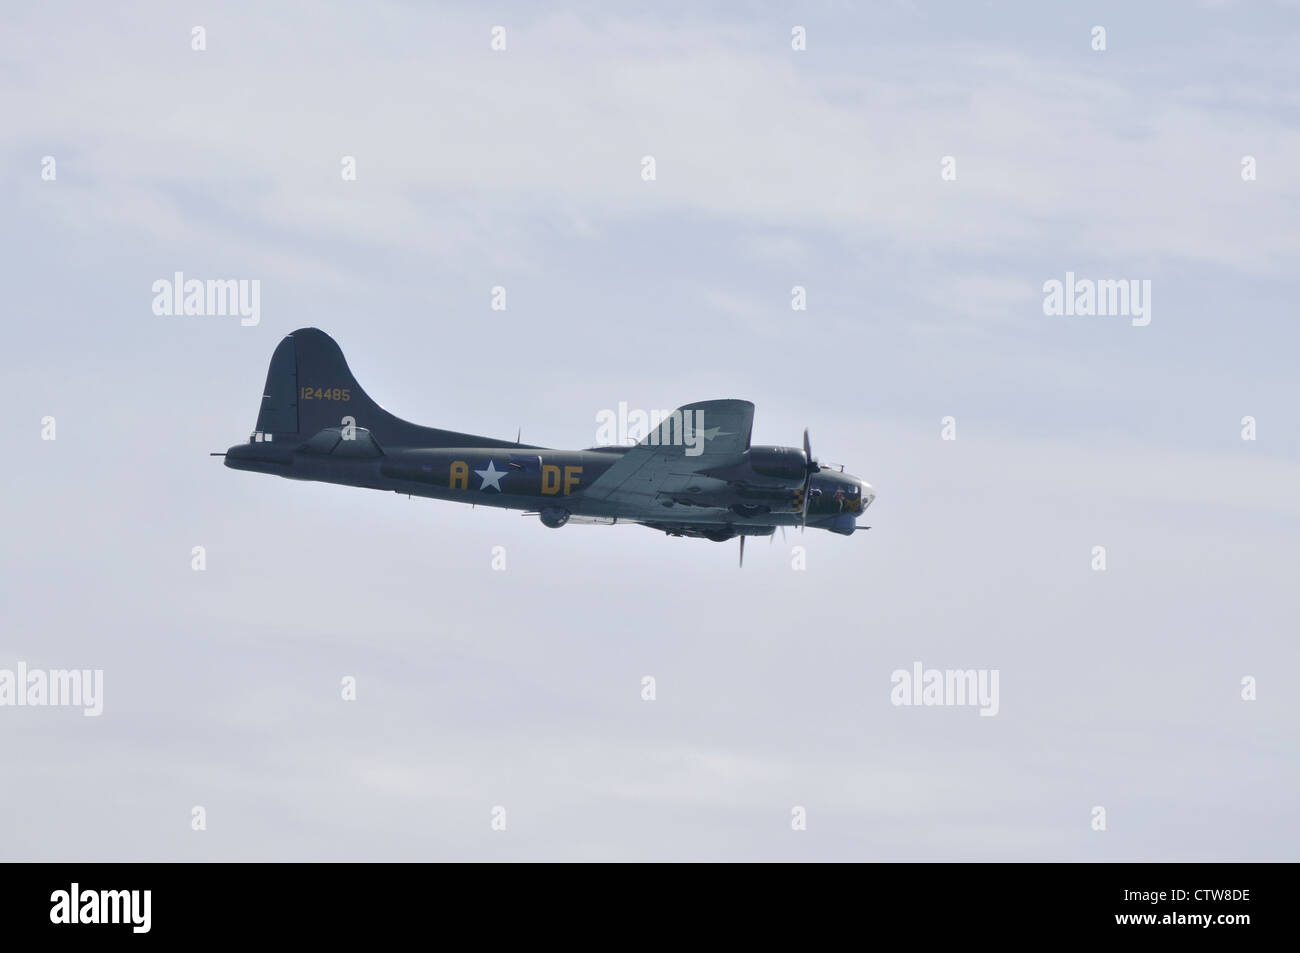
x,y
742,550
811,466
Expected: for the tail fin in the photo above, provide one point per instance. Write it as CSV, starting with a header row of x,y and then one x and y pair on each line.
x,y
309,387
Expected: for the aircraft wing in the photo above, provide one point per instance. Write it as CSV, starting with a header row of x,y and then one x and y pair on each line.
x,y
665,466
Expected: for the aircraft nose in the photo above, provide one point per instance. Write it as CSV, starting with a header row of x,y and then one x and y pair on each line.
x,y
868,494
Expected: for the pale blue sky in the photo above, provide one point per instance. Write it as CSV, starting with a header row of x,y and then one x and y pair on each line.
x,y
775,168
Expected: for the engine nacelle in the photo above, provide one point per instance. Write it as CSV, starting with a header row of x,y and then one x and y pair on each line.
x,y
553,516
786,464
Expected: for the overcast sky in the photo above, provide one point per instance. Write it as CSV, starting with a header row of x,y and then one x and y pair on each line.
x,y
522,688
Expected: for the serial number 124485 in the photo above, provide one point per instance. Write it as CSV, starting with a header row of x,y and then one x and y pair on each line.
x,y
325,393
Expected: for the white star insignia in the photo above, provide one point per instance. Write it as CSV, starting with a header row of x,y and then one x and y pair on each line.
x,y
491,477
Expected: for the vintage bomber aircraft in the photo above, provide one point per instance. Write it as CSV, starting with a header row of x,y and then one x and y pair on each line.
x,y
696,475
